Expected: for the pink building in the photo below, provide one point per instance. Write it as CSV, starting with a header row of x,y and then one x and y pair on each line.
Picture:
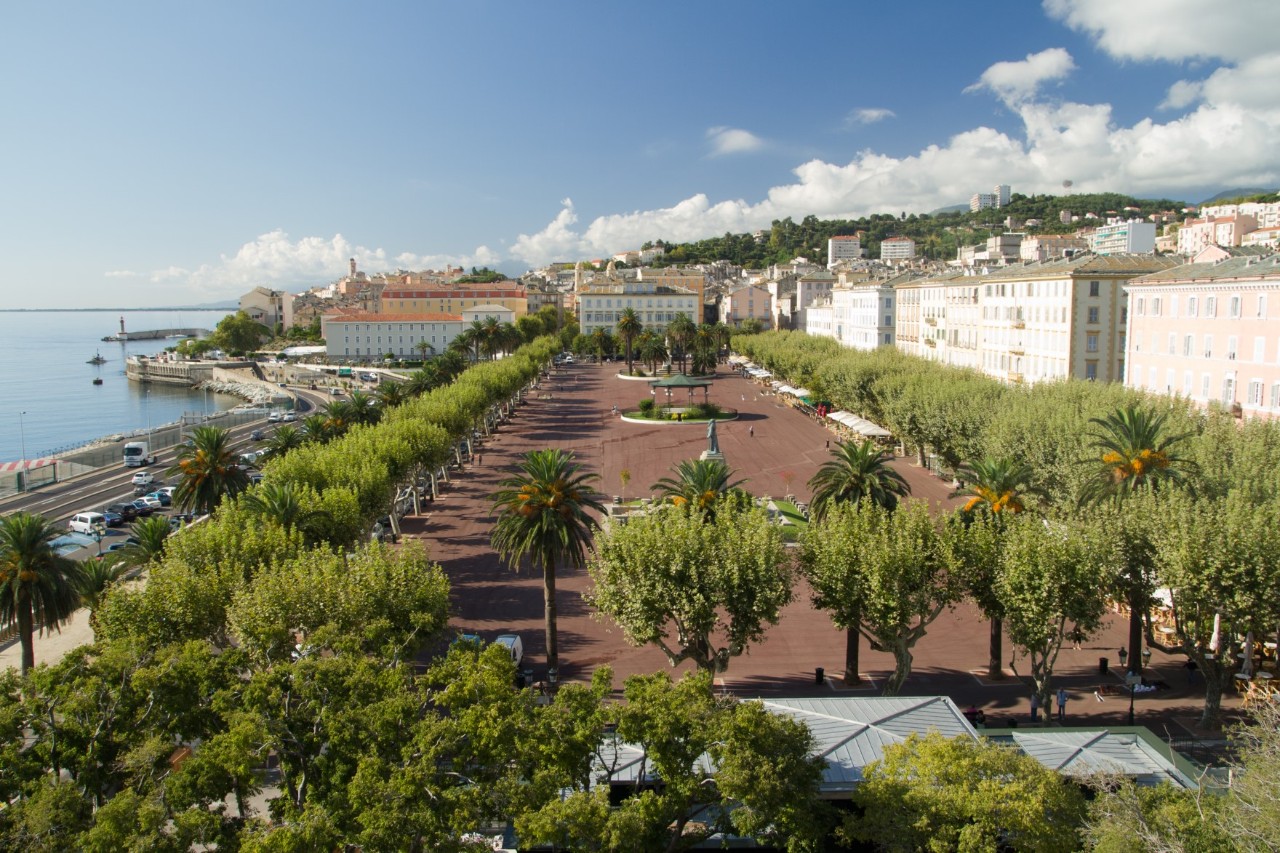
x,y
1209,332
749,301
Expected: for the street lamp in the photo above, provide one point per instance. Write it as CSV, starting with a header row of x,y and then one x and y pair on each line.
x,y
1123,654
98,532
22,436
1146,658
1132,679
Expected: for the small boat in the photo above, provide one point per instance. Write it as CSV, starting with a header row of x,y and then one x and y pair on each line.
x,y
97,380
97,359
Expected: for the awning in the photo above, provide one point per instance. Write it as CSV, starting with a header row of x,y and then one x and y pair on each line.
x,y
862,426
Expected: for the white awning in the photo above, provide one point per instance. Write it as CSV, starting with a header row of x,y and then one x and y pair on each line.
x,y
862,426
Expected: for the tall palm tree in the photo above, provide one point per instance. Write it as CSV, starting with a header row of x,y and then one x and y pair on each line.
x,y
390,394
653,351
705,349
698,483
364,408
424,349
96,579
208,469
629,327
543,515
339,416
37,584
857,471
680,332
151,535
283,440
1134,453
995,488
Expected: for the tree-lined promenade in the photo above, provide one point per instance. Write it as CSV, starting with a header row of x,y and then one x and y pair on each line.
x,y
270,632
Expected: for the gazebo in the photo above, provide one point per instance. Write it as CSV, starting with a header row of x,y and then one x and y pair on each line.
x,y
680,381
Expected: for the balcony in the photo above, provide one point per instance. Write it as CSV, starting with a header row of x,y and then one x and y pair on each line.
x,y
930,342
1015,377
1017,349
1019,324
932,321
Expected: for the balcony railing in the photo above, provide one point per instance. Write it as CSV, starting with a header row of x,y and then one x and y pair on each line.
x,y
1017,349
930,342
1015,377
932,321
1019,324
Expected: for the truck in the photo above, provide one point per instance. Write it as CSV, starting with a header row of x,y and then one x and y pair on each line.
x,y
138,454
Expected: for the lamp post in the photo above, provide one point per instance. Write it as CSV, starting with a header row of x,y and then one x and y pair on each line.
x,y
1123,655
1146,658
22,436
97,534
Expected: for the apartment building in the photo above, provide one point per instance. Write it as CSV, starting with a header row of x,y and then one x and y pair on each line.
x,y
922,315
453,299
1123,238
811,289
372,336
1196,234
894,249
599,306
1045,247
1209,332
843,248
679,278
864,316
751,301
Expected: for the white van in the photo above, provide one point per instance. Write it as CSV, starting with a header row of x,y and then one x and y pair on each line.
x,y
87,522
514,645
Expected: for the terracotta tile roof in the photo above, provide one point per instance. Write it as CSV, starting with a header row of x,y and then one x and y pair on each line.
x,y
425,317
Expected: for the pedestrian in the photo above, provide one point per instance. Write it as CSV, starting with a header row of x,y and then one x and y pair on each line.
x,y
751,431
1062,704
479,459
1035,708
828,447
744,398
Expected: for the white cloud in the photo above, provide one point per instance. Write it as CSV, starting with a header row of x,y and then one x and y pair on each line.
x,y
868,115
1182,94
1016,82
1173,29
732,140
122,274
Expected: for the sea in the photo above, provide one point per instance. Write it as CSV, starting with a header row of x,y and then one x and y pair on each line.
x,y
48,402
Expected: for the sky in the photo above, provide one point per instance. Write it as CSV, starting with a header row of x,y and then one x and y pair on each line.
x,y
180,154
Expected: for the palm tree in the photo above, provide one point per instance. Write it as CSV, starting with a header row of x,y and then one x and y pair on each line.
x,y
364,409
698,483
151,535
37,584
283,440
209,470
1134,454
542,515
279,502
629,327
857,471
424,349
390,394
95,581
653,352
316,428
996,488
680,332
339,416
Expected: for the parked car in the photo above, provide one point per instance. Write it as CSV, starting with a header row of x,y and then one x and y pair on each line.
x,y
273,418
257,435
168,490
255,477
164,497
127,511
151,501
143,478
143,508
113,519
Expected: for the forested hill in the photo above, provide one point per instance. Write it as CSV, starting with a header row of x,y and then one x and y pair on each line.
x,y
936,236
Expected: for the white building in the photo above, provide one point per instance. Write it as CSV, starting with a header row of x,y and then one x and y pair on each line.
x,y
843,248
372,336
1044,247
864,315
271,308
1123,238
893,249
811,289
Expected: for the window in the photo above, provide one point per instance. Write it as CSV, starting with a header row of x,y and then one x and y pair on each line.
x,y
888,320
1231,347
1094,286
1091,370
1208,346
1155,306
1091,342
1233,310
1255,392
1204,386
1259,349
1275,395
1192,306
1173,344
1124,314
1229,390
1211,306
1262,306
1093,314
1188,344
1186,384
1140,307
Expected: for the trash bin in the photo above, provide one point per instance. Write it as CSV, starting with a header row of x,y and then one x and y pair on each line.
x,y
1102,666
819,676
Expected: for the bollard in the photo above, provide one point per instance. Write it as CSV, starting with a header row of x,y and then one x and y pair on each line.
x,y
819,676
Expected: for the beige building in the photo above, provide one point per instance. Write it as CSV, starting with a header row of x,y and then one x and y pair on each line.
x,y
271,308
677,277
600,305
1209,332
748,301
454,299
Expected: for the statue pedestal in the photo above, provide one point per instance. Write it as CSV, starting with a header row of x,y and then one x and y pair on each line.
x,y
711,454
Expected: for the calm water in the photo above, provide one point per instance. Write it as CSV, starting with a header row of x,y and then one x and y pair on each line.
x,y
43,372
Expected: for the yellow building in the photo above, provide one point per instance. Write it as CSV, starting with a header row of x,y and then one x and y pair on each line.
x,y
454,299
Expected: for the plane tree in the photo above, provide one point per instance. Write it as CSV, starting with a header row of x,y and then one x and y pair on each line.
x,y
887,574
701,589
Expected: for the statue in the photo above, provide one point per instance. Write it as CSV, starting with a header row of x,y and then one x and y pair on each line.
x,y
610,270
713,443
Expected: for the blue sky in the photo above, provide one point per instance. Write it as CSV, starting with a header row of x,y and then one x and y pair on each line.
x,y
159,153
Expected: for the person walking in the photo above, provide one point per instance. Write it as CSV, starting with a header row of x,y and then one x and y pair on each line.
x,y
1062,704
1035,708
751,431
